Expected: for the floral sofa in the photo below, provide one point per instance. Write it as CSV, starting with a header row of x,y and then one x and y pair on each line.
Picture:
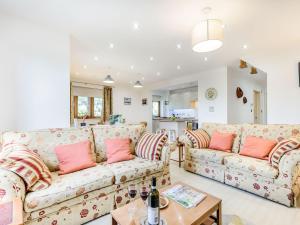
x,y
253,175
81,196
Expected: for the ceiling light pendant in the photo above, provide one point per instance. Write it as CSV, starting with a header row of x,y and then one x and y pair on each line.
x,y
207,35
138,84
108,80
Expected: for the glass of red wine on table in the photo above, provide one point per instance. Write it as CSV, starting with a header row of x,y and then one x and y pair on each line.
x,y
132,192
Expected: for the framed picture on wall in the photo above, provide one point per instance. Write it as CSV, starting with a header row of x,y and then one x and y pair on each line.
x,y
144,101
127,101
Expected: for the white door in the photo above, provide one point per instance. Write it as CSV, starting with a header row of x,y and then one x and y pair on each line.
x,y
256,107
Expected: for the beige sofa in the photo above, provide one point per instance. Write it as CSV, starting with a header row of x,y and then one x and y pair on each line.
x,y
253,175
81,196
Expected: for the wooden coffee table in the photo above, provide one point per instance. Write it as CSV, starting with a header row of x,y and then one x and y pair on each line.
x,y
175,214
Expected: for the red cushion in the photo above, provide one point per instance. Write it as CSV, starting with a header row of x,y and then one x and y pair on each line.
x,y
74,157
222,141
118,150
257,147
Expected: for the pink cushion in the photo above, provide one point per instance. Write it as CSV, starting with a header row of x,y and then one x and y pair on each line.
x,y
118,150
257,147
74,157
222,141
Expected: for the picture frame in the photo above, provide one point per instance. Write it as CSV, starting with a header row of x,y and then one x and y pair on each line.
x,y
144,101
127,101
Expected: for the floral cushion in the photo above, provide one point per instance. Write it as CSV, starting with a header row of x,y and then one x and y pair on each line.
x,y
272,132
207,155
68,186
103,132
210,128
43,142
251,165
133,169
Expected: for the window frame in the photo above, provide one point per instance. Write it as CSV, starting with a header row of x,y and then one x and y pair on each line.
x,y
158,115
91,106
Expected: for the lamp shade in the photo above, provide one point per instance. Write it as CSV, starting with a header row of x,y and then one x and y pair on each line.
x,y
207,35
108,79
138,84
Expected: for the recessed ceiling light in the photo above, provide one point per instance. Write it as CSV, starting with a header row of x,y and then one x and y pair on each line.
x,y
132,67
205,58
158,73
143,78
223,26
136,25
111,45
245,46
178,67
85,67
178,46
151,58
96,58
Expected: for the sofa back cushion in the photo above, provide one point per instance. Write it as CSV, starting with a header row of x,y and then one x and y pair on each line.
x,y
210,128
199,138
222,141
275,132
43,142
103,132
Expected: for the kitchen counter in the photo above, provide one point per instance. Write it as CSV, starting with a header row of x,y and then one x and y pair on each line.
x,y
178,125
175,120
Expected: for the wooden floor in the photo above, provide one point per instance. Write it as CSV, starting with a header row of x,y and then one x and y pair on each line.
x,y
253,209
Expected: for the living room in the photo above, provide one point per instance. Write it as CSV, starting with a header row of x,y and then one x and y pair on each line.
x,y
183,73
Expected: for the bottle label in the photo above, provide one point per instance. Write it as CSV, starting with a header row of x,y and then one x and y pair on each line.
x,y
153,216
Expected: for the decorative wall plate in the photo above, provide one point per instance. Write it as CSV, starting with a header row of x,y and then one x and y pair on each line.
x,y
239,92
211,94
245,100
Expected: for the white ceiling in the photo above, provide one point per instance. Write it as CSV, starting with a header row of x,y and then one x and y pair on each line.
x,y
94,24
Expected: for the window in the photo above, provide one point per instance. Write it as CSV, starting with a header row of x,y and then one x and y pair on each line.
x,y
156,108
87,106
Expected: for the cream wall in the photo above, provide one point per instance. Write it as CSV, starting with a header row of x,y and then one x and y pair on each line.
x,y
34,73
283,90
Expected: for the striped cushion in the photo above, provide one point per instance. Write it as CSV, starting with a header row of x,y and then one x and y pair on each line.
x,y
150,145
282,148
27,164
199,138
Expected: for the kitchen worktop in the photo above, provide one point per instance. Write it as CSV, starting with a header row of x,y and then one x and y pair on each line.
x,y
174,120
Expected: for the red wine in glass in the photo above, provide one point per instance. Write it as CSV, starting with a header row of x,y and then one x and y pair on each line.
x,y
144,192
132,193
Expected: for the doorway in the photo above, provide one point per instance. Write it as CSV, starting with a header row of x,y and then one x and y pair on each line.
x,y
257,111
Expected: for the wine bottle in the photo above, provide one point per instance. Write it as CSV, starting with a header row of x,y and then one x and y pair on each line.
x,y
153,205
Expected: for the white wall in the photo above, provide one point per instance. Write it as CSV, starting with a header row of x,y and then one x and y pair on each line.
x,y
283,82
136,112
238,112
182,98
34,73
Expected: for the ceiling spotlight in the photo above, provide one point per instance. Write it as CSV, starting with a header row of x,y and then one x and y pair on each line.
x,y
158,74
143,78
96,58
108,79
178,46
85,67
205,58
132,67
178,67
138,84
151,58
136,26
245,46
111,45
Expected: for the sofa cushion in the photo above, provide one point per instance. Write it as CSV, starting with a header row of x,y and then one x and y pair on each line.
x,y
43,142
133,169
251,165
103,132
69,186
209,155
210,128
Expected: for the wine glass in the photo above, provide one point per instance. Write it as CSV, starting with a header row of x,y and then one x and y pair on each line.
x,y
144,192
132,191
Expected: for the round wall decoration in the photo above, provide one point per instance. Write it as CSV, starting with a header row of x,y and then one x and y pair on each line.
x,y
239,92
211,94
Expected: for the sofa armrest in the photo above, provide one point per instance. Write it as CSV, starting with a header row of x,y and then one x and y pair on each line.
x,y
165,154
11,186
185,140
289,169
